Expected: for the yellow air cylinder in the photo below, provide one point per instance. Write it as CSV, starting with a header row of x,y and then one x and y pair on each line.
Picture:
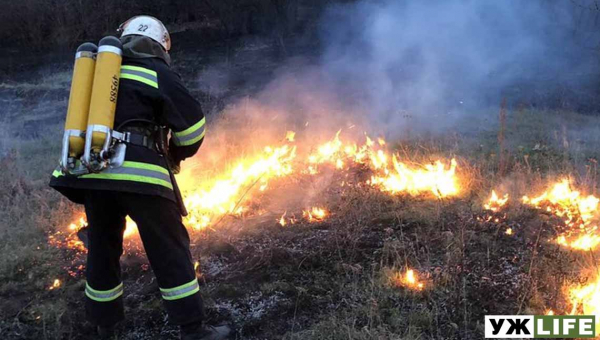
x,y
79,98
105,89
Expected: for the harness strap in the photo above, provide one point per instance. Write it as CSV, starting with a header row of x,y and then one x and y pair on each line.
x,y
141,140
135,138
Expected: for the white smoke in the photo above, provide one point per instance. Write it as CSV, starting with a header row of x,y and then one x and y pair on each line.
x,y
429,64
431,58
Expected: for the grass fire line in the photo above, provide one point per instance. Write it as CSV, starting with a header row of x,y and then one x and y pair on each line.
x,y
579,215
225,194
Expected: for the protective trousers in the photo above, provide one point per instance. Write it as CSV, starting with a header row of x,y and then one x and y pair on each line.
x,y
166,242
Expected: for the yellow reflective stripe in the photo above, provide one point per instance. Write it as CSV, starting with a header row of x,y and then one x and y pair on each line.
x,y
140,79
139,69
103,295
191,129
191,141
180,292
145,166
125,177
131,171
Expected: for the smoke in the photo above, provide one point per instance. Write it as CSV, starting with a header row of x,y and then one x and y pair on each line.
x,y
429,58
394,68
435,59
428,65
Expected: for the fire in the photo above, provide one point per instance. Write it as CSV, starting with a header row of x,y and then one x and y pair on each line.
x,y
69,238
585,242
224,195
496,203
56,284
409,280
393,177
290,136
282,219
585,299
314,214
130,228
549,312
562,201
229,192
578,211
435,178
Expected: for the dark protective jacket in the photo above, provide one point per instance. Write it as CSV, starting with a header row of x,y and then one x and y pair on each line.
x,y
149,90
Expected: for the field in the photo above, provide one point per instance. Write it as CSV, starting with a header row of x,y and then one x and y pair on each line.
x,y
379,261
343,276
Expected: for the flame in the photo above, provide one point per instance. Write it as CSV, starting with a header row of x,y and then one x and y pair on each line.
x,y
578,212
224,195
509,231
409,280
562,201
56,284
130,228
282,219
393,177
585,299
314,214
290,136
585,242
229,191
434,178
549,312
496,203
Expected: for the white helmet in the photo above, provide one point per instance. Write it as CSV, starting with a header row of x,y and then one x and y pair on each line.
x,y
147,26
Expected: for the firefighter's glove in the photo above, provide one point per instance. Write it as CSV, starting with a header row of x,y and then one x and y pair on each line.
x,y
175,165
176,168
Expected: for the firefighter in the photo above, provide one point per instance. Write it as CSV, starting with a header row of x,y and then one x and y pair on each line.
x,y
150,96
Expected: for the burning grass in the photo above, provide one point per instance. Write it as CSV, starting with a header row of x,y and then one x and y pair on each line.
x,y
351,238
226,194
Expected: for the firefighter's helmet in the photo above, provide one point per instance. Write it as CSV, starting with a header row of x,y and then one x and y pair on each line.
x,y
147,26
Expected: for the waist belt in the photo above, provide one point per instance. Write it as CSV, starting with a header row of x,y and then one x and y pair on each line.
x,y
137,139
140,140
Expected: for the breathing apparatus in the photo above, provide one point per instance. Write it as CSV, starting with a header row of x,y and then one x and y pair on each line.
x,y
89,142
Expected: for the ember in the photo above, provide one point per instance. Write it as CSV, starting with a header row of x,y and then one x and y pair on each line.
x,y
56,284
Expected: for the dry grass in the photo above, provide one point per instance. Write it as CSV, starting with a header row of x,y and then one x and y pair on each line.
x,y
330,280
